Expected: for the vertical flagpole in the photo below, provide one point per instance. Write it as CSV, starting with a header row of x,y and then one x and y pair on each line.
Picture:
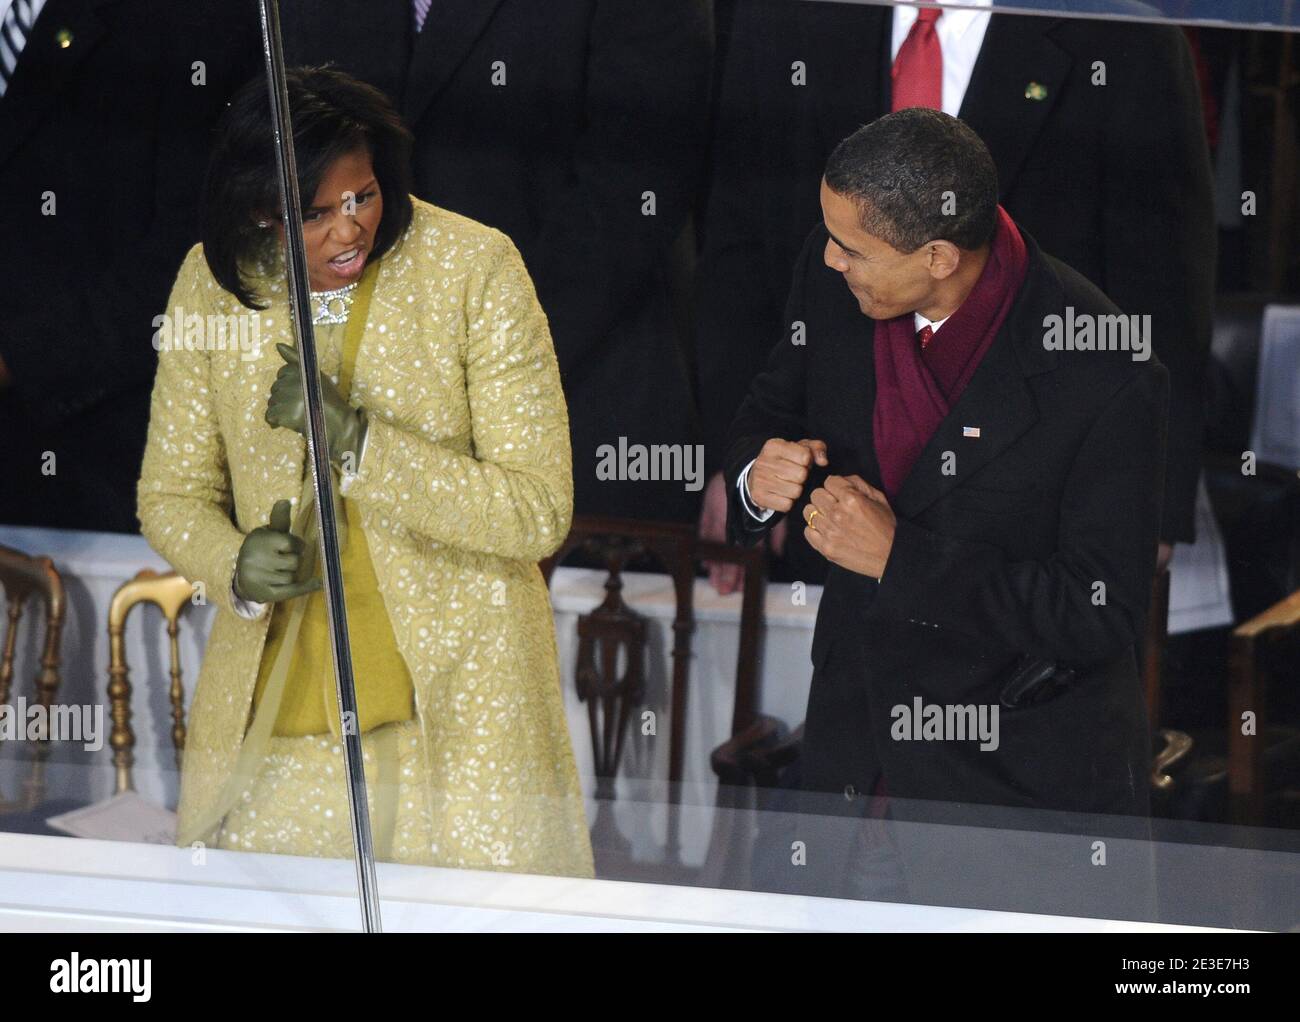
x,y
318,454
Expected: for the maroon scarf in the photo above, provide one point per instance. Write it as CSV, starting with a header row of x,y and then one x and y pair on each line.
x,y
916,389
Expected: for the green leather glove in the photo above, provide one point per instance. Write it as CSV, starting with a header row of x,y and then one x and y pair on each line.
x,y
345,426
269,560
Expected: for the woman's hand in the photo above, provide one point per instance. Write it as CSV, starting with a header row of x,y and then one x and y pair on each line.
x,y
286,407
269,561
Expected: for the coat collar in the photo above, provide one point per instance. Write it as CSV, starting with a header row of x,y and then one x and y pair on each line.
x,y
450,31
45,66
1017,81
997,402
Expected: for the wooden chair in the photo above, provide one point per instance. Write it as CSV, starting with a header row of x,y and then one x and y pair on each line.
x,y
23,577
614,627
1263,648
171,593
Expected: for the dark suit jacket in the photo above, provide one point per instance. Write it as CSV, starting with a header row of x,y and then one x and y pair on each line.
x,y
1061,490
603,101
1113,180
113,128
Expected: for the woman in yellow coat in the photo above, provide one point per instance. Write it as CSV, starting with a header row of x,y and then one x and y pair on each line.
x,y
448,429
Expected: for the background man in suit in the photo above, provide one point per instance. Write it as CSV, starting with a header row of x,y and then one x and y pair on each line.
x,y
1068,109
577,127
980,497
104,122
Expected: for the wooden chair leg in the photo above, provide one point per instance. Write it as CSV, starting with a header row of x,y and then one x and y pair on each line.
x,y
1153,646
1245,734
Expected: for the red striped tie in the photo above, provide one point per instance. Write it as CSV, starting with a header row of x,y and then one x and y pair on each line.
x,y
918,69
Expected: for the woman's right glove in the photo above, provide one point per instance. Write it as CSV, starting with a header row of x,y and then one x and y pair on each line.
x,y
269,560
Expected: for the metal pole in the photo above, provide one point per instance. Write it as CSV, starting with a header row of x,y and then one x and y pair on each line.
x,y
318,455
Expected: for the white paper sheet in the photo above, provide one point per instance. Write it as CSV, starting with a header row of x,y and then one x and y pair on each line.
x,y
125,817
1198,575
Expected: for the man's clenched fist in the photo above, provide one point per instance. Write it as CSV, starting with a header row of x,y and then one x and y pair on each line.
x,y
780,470
850,523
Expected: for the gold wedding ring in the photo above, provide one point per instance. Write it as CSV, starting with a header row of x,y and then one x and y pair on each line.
x,y
813,513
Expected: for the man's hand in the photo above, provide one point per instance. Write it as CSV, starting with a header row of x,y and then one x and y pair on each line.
x,y
269,560
850,523
726,578
780,470
288,408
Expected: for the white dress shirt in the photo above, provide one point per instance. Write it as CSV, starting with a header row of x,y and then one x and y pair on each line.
x,y
961,33
920,322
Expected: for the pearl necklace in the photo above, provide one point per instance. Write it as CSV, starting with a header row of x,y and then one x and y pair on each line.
x,y
332,306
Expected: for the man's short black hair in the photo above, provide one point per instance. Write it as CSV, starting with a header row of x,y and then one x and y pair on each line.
x,y
333,115
918,175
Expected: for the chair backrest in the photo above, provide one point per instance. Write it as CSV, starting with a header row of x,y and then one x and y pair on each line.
x,y
22,577
1275,435
1253,658
615,627
171,593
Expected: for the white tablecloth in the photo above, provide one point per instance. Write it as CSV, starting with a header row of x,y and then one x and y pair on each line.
x,y
93,565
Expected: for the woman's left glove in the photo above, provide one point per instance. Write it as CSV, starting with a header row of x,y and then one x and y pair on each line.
x,y
344,424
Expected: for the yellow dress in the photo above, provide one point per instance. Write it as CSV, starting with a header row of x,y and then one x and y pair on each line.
x,y
385,693
297,803
466,483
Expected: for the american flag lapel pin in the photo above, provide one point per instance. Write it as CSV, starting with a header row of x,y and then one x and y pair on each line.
x,y
970,431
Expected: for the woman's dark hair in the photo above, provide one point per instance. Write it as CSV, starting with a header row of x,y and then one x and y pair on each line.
x,y
333,115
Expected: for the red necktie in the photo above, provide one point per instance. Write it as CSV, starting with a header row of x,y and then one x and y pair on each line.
x,y
918,69
924,334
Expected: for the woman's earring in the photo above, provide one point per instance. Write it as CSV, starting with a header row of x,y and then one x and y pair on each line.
x,y
264,224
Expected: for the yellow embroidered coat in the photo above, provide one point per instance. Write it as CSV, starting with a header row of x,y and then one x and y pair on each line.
x,y
465,484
